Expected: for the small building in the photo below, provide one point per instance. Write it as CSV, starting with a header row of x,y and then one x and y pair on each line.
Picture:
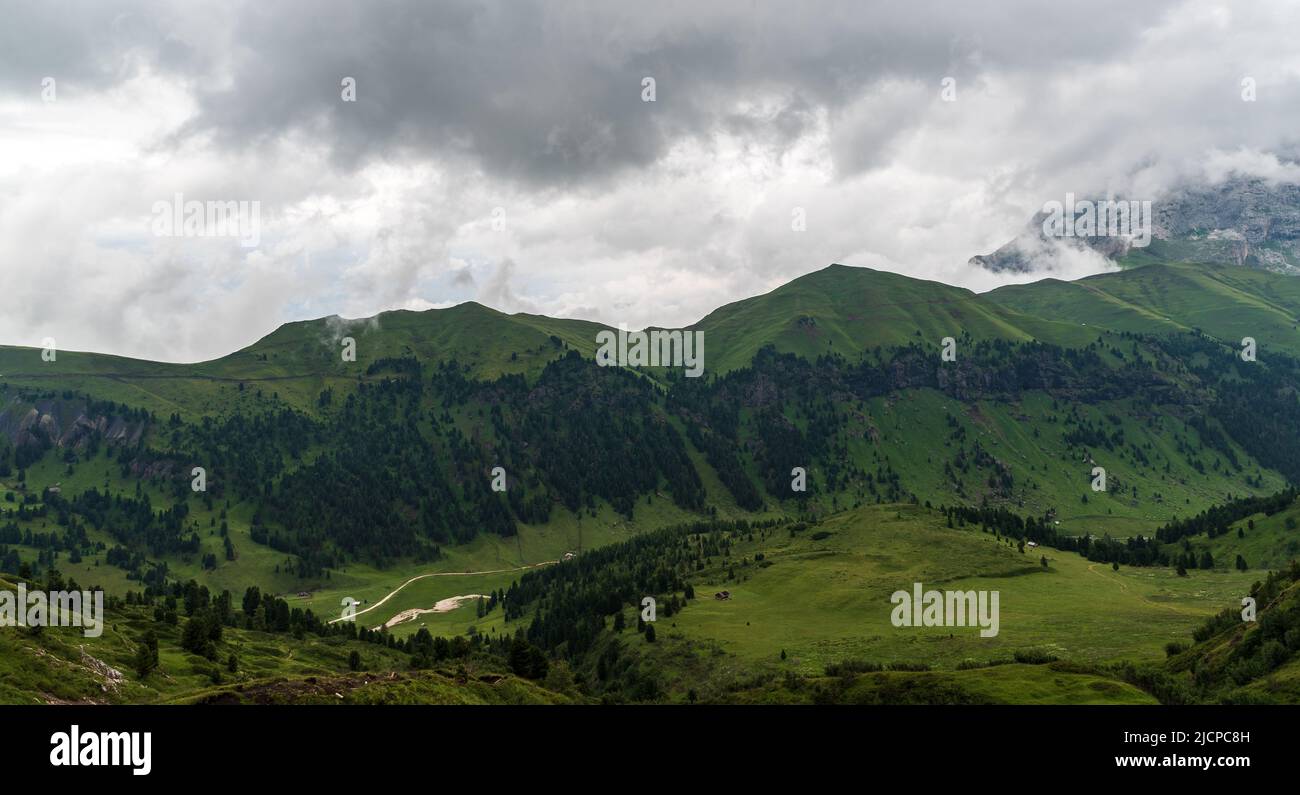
x,y
720,595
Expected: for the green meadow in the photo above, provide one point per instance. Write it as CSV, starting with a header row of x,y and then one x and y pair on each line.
x,y
825,601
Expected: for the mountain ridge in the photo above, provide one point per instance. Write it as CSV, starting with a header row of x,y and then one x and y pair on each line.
x,y
829,418
1244,221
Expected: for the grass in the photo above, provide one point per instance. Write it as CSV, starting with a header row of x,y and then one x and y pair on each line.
x,y
892,430
1273,542
299,360
1003,684
828,601
845,310
1223,301
821,596
821,601
909,431
57,664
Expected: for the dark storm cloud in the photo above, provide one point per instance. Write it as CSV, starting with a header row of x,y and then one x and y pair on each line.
x,y
91,45
613,209
549,94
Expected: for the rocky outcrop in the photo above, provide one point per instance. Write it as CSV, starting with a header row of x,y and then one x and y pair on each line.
x,y
64,424
1246,222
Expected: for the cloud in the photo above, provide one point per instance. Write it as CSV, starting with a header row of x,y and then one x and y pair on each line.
x,y
337,328
501,151
1220,166
499,293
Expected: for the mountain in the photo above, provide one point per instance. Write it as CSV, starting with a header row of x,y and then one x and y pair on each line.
x,y
859,308
846,311
300,359
290,410
488,342
471,455
1245,222
1224,301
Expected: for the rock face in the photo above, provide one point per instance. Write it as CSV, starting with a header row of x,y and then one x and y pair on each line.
x,y
1244,222
64,424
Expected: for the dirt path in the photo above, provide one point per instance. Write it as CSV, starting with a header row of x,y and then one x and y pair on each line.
x,y
1179,609
446,574
1092,567
443,606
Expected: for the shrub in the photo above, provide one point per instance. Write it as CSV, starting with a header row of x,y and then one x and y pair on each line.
x,y
1034,657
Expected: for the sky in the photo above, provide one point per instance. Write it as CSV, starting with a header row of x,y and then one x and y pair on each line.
x,y
415,155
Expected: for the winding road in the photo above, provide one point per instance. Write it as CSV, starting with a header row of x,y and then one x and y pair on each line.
x,y
444,574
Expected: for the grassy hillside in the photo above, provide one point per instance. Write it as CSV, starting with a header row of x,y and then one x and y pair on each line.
x,y
61,665
845,310
962,432
369,480
1243,658
1012,683
838,309
827,600
488,342
1263,542
808,618
1223,301
300,359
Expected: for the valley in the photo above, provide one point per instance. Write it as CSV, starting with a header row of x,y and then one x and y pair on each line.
x,y
370,480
